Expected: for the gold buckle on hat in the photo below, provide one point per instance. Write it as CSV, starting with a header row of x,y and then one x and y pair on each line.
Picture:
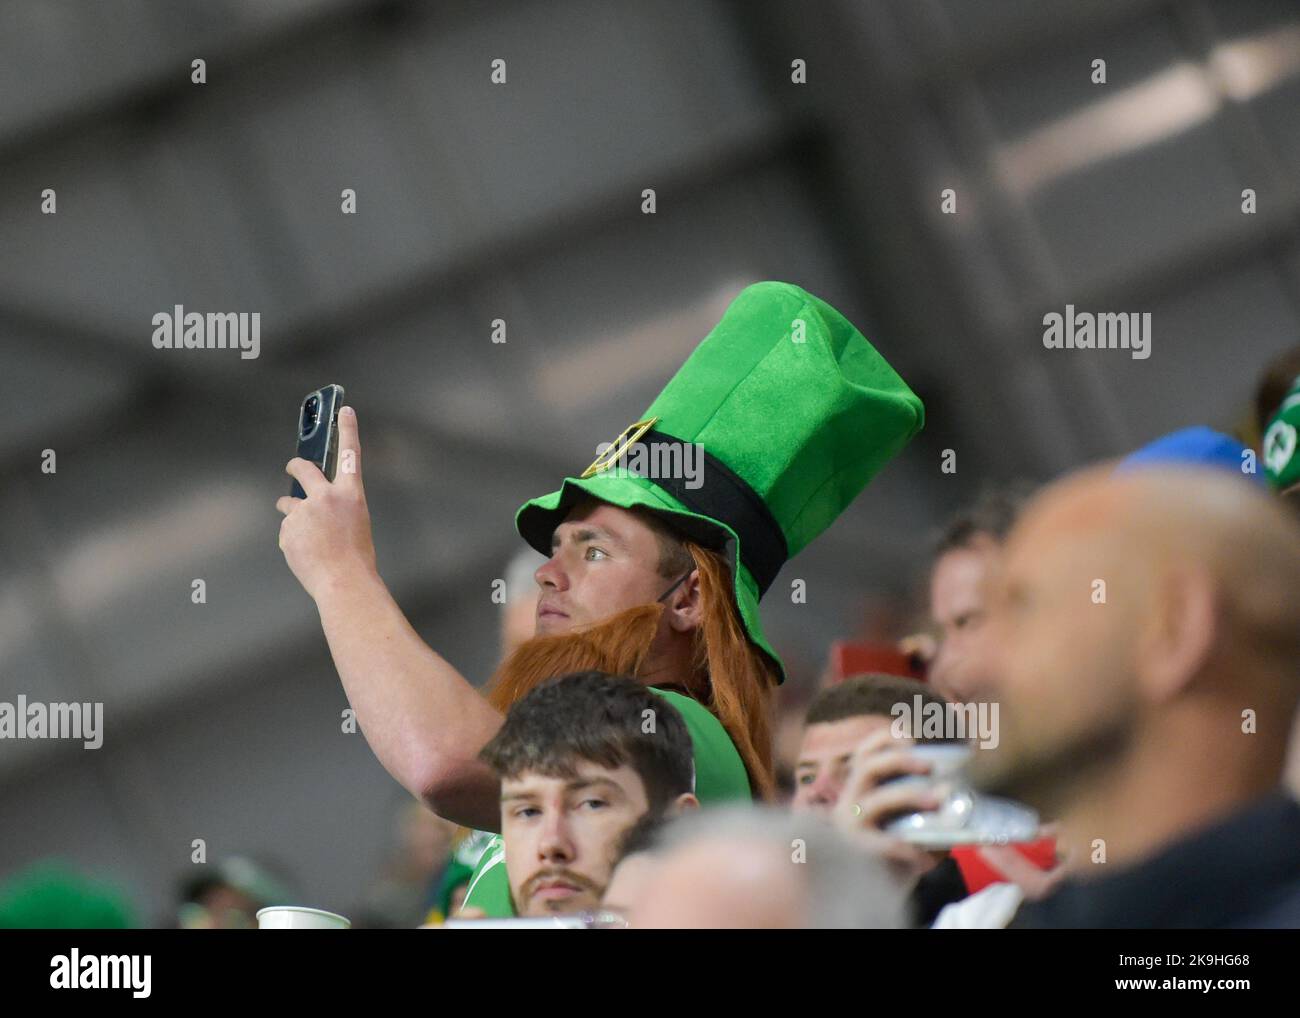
x,y
621,444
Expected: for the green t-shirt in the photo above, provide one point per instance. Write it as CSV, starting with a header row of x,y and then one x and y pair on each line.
x,y
719,777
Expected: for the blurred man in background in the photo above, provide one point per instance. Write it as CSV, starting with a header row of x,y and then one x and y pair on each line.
x,y
963,558
1144,640
759,868
633,864
228,894
519,619
407,892
848,743
839,719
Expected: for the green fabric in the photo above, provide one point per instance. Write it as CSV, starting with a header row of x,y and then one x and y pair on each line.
x,y
806,424
489,887
461,864
1281,464
52,896
720,774
719,777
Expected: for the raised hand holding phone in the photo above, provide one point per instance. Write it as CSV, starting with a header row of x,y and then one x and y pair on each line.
x,y
318,421
325,536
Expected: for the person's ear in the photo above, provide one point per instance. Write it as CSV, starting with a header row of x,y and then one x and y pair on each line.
x,y
684,802
1180,633
686,607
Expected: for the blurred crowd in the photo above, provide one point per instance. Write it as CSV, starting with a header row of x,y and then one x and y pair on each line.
x,y
1136,624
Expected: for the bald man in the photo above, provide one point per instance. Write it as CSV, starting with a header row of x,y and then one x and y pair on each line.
x,y
783,871
1144,643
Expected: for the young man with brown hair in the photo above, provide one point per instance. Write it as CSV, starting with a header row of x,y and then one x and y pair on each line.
x,y
582,759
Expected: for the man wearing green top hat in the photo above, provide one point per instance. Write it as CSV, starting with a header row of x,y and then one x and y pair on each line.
x,y
791,411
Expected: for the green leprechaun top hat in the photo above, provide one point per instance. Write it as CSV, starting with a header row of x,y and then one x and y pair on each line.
x,y
1281,464
794,412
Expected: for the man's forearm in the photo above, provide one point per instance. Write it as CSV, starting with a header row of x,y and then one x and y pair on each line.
x,y
421,717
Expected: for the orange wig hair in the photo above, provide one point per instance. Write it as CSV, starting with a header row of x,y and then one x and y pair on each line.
x,y
730,676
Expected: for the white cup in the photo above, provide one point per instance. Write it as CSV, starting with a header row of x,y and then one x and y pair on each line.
x,y
964,817
297,917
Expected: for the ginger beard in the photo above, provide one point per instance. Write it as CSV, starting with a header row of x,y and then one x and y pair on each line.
x,y
618,645
731,678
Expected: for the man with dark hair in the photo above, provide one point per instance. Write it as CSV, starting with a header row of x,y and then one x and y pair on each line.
x,y
868,694
964,555
582,759
992,515
839,718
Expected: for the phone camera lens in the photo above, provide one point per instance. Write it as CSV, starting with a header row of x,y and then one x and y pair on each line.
x,y
310,414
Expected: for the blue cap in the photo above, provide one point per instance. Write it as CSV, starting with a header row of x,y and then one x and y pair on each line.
x,y
1197,446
